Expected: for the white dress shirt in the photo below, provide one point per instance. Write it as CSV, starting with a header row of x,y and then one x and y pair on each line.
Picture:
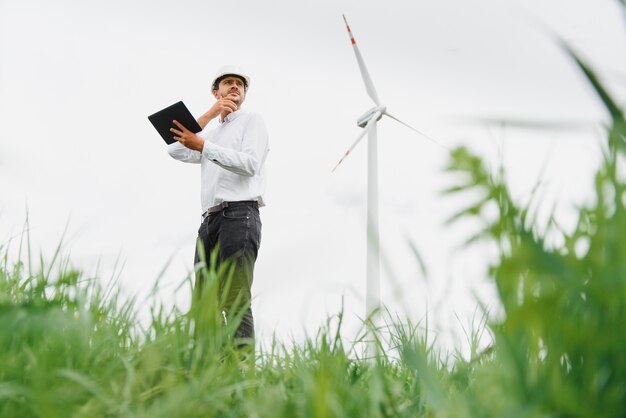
x,y
232,160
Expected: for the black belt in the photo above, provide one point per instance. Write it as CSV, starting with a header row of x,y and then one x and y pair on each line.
x,y
224,205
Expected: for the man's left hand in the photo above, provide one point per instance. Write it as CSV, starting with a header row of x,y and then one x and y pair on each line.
x,y
187,138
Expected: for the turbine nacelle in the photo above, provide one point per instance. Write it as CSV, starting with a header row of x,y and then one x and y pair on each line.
x,y
363,119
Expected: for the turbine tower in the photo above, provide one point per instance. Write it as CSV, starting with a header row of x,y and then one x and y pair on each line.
x,y
368,122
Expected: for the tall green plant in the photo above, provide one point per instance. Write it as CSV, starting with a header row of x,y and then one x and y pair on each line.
x,y
559,349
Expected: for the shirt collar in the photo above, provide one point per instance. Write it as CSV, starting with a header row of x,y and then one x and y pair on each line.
x,y
232,116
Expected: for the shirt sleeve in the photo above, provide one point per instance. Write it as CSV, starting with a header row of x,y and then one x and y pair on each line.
x,y
181,153
250,158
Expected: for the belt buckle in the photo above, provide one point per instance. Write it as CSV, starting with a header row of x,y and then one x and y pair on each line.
x,y
214,209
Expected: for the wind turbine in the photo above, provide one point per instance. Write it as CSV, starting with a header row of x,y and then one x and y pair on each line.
x,y
368,122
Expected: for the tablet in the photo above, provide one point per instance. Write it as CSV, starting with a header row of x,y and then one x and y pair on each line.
x,y
162,121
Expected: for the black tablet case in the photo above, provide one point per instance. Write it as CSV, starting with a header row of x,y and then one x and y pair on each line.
x,y
162,121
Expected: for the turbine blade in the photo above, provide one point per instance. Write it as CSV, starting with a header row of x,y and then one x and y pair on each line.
x,y
369,86
416,130
366,129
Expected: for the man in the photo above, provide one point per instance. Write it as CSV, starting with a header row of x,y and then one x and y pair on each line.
x,y
232,159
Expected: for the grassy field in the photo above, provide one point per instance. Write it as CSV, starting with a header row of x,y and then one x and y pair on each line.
x,y
69,348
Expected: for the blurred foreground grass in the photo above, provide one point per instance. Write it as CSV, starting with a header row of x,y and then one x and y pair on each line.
x,y
69,348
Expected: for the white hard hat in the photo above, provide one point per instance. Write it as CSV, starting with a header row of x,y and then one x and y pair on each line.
x,y
230,70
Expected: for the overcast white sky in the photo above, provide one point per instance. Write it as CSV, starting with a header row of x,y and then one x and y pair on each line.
x,y
78,79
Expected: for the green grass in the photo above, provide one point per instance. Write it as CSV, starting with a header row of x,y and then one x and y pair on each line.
x,y
69,348
67,351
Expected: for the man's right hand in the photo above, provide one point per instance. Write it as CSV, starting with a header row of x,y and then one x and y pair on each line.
x,y
223,106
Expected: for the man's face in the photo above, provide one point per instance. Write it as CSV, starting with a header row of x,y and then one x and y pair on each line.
x,y
231,88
